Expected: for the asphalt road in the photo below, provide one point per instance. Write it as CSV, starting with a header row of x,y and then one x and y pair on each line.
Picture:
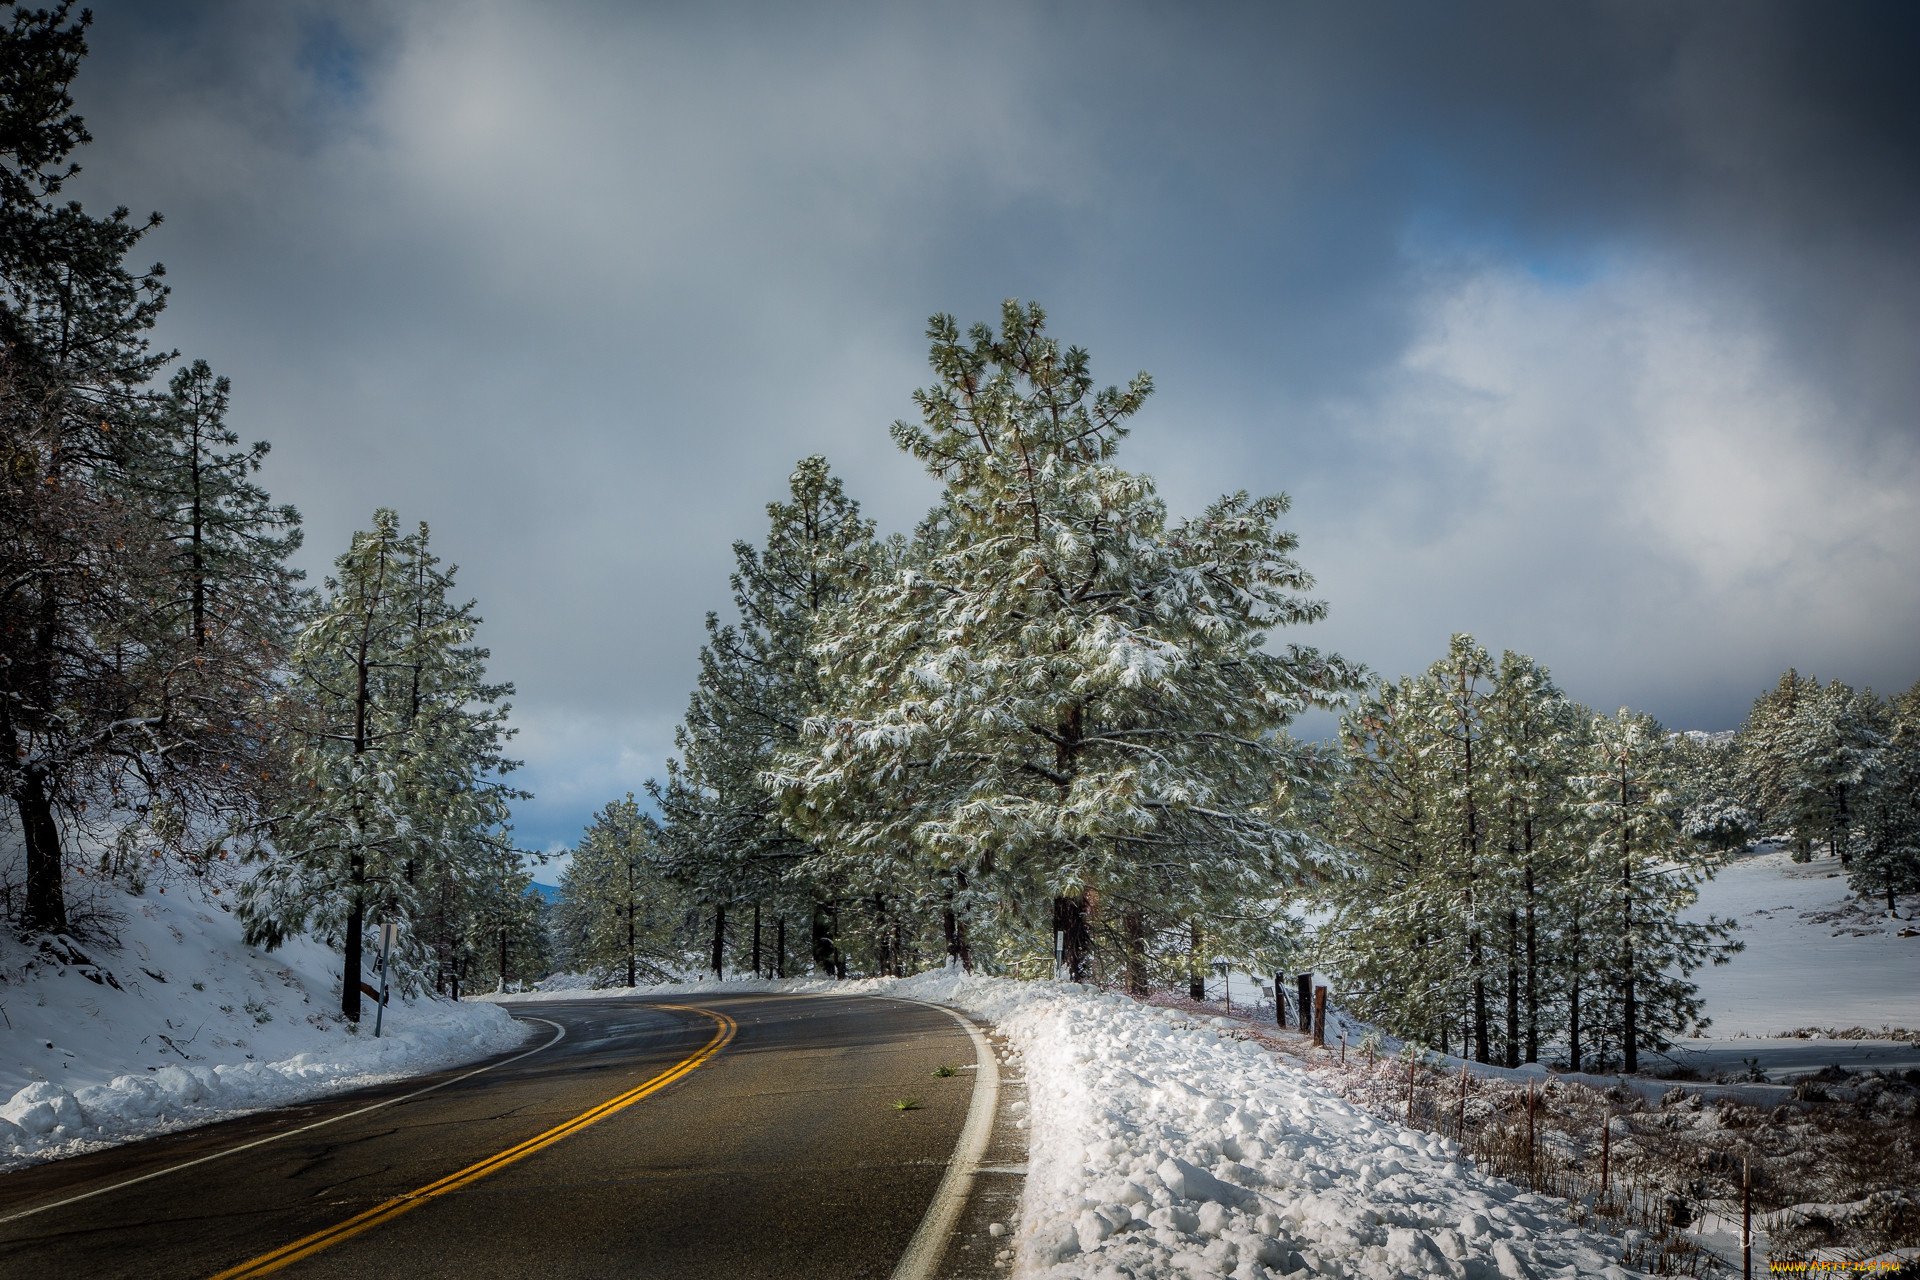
x,y
734,1136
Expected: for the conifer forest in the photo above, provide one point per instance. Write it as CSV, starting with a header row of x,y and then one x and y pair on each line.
x,y
1045,730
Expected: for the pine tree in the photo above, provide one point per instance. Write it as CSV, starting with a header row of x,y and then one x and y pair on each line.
x,y
724,837
1886,861
1067,697
1766,751
1386,936
396,807
1641,875
1834,749
82,711
1535,734
618,915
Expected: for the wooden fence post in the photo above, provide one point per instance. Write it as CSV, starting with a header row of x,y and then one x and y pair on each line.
x,y
1746,1218
1533,1178
1410,1066
1460,1127
1606,1151
1280,1000
1320,1017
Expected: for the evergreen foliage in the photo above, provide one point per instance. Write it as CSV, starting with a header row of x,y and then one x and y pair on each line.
x,y
619,914
1505,869
723,837
144,594
1062,698
395,807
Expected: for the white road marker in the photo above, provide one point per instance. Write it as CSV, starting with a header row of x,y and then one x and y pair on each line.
x,y
559,1034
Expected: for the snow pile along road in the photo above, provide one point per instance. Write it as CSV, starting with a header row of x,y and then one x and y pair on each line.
x,y
182,1023
1161,1147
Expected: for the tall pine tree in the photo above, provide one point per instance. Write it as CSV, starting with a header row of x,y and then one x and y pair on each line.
x,y
1069,693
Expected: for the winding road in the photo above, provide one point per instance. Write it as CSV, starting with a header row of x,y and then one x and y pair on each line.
x,y
726,1136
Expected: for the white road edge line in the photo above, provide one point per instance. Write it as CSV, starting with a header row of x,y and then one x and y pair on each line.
x,y
929,1243
559,1034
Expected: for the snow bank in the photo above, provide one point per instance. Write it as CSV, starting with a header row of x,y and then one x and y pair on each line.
x,y
1160,1146
182,1023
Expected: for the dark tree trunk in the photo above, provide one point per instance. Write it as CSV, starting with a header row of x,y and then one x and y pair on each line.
x,y
827,959
1196,962
1533,964
1513,988
954,927
719,939
1133,928
1481,1051
1630,1033
1076,938
1573,998
758,972
356,921
46,905
780,947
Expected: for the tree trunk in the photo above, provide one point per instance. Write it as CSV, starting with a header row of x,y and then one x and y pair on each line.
x,y
1630,1032
46,905
758,972
1481,1051
1133,927
780,947
1076,939
719,939
1196,963
1573,999
1533,963
826,946
356,920
1513,988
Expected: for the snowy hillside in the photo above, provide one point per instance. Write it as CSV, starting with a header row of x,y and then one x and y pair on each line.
x,y
182,1023
1815,955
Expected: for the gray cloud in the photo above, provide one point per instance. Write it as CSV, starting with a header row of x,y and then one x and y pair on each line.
x,y
1587,328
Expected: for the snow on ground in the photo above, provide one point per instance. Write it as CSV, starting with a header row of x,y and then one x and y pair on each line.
x,y
1815,955
199,1027
1162,1144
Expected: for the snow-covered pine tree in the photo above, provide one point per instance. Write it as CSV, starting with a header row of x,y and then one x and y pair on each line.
x,y
395,804
1534,737
1069,697
1386,937
1717,810
1452,699
1886,859
1641,874
1766,752
618,915
1834,745
723,837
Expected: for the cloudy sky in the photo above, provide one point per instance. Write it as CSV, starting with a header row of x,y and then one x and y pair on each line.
x,y
1594,331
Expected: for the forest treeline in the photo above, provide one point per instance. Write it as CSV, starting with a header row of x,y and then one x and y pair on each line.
x,y
1047,732
175,703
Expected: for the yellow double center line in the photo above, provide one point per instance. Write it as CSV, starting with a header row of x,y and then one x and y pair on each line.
x,y
307,1246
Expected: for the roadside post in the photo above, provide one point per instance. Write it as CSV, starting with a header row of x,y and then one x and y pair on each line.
x,y
389,932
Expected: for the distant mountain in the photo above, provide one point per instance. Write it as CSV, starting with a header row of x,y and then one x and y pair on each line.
x,y
547,891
